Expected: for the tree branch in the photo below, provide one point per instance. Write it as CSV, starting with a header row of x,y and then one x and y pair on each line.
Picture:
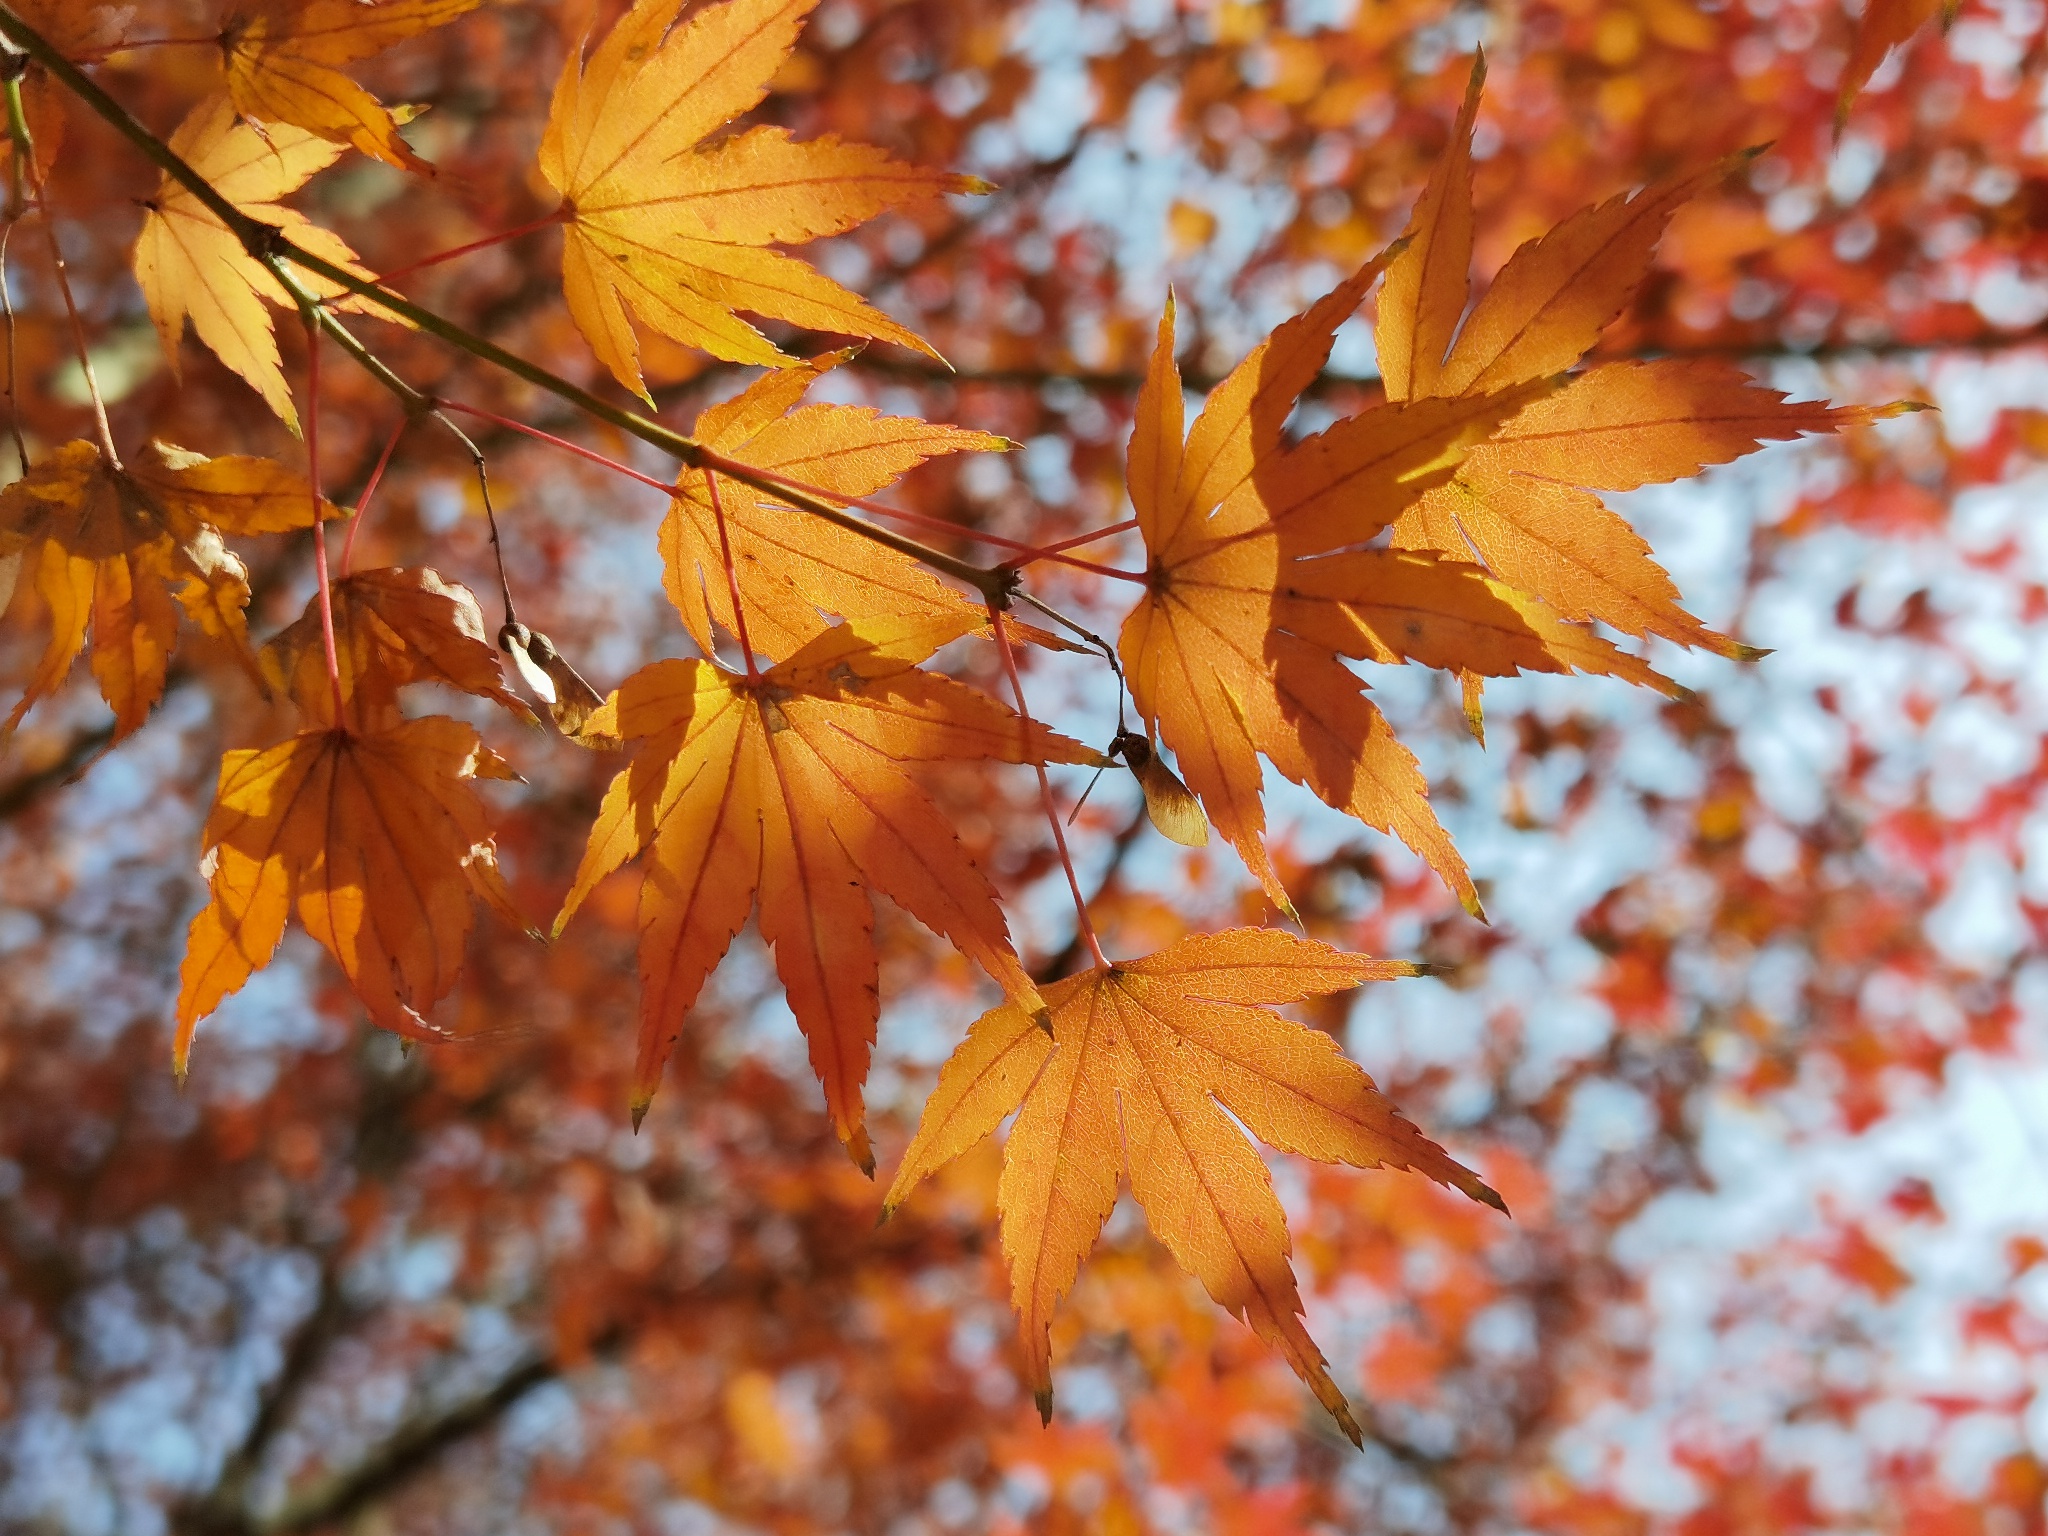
x,y
406,1453
269,245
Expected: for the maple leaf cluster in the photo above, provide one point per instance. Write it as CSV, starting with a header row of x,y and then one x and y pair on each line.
x,y
1456,522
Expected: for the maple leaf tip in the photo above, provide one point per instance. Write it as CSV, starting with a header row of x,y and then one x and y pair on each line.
x,y
882,1216
859,1148
1042,1017
1749,653
1486,1194
639,1112
1043,1397
1350,1427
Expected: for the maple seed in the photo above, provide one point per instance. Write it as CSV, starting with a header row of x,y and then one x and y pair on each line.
x,y
1169,805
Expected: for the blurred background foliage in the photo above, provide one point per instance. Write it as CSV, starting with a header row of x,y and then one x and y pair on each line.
x,y
1755,1045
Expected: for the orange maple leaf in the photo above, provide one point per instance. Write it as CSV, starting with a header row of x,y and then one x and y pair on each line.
x,y
283,61
1885,24
102,544
189,264
392,627
80,32
793,789
675,230
1140,1066
1256,590
793,567
378,838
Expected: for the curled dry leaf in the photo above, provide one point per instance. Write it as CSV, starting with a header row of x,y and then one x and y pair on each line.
x,y
190,265
283,63
793,789
794,568
1134,1078
392,627
675,232
378,839
101,546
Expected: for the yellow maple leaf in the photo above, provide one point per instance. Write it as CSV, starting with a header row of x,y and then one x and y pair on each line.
x,y
189,264
378,839
1134,1078
794,568
101,545
1524,502
283,61
793,789
673,230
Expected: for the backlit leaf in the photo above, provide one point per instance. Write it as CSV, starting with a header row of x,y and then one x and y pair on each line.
x,y
792,790
377,839
1135,1077
1255,593
673,231
190,265
795,569
283,66
101,545
1524,504
392,627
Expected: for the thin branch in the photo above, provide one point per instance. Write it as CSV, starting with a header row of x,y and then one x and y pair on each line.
x,y
25,166
732,580
483,482
310,318
334,1502
483,244
1083,925
355,526
17,795
13,402
269,245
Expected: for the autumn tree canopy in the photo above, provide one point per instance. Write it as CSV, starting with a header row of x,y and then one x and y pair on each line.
x,y
1022,765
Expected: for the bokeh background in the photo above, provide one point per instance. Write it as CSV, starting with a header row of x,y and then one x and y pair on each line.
x,y
1756,1044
